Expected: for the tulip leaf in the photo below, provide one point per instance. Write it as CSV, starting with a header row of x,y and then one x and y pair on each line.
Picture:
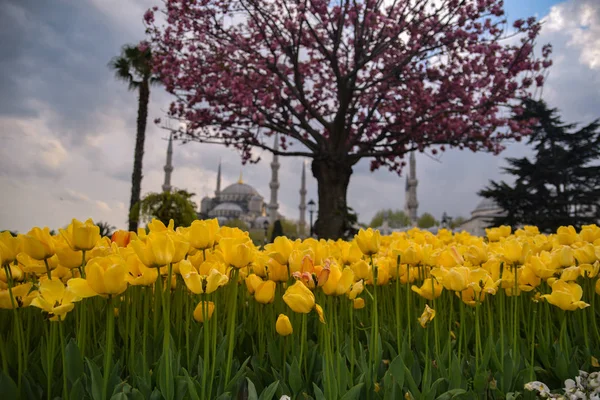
x,y
74,361
353,393
397,371
77,390
156,395
96,382
269,392
8,387
450,394
252,395
295,375
119,396
191,387
319,395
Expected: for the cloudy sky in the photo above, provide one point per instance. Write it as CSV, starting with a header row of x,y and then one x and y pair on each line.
x,y
67,128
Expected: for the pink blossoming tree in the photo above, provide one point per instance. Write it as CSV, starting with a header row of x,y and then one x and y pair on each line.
x,y
342,80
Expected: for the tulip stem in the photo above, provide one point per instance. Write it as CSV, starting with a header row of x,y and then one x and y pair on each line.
x,y
285,340
110,333
205,338
531,369
352,345
397,300
167,330
64,358
48,271
231,323
18,325
82,268
375,325
50,359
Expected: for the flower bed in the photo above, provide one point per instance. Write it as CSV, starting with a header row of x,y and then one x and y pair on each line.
x,y
412,314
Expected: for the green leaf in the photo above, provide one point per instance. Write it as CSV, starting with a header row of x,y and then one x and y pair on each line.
x,y
119,396
74,361
353,393
295,377
77,390
224,396
237,376
450,394
397,371
252,395
269,392
95,388
191,387
319,395
8,387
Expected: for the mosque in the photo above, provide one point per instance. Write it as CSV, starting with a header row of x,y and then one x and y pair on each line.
x,y
241,201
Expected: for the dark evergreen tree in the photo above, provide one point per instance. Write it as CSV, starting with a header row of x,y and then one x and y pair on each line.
x,y
560,185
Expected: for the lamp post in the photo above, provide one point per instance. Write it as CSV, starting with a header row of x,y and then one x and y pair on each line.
x,y
311,210
266,227
445,220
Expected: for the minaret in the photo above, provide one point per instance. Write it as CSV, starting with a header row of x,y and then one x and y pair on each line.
x,y
218,191
411,204
166,187
274,184
302,207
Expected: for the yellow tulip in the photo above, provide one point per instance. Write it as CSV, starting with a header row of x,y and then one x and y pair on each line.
x,y
338,282
528,280
358,303
368,241
356,290
157,225
81,235
349,252
10,246
275,271
156,251
320,313
237,252
567,235
38,244
203,233
280,249
570,274
362,269
106,275
15,272
200,284
139,274
563,257
512,250
456,279
585,254
55,299
252,282
470,296
265,292
427,316
590,270
590,233
299,298
67,257
541,265
31,265
481,281
566,295
495,234
203,306
429,290
283,326
181,247
22,295
449,258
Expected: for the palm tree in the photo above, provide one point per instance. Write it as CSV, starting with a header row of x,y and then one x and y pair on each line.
x,y
134,66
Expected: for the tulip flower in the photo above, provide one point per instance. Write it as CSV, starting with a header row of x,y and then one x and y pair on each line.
x,y
264,293
22,296
358,303
299,298
10,246
67,257
280,249
495,234
338,282
38,244
203,306
123,238
567,235
237,252
283,326
81,235
105,276
566,295
202,234
430,289
368,241
427,316
156,251
138,274
200,284
55,299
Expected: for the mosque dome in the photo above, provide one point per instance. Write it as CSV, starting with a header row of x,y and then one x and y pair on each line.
x,y
239,188
486,207
232,207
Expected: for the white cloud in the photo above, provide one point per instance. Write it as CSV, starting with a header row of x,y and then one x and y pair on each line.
x,y
103,206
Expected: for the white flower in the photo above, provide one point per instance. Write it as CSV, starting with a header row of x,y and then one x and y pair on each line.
x,y
594,380
539,387
284,397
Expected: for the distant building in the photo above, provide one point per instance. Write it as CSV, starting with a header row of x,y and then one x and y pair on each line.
x,y
481,217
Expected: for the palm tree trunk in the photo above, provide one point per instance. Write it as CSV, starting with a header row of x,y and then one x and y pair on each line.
x,y
136,176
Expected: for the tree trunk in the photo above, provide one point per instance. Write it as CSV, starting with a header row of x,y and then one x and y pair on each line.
x,y
140,137
333,177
